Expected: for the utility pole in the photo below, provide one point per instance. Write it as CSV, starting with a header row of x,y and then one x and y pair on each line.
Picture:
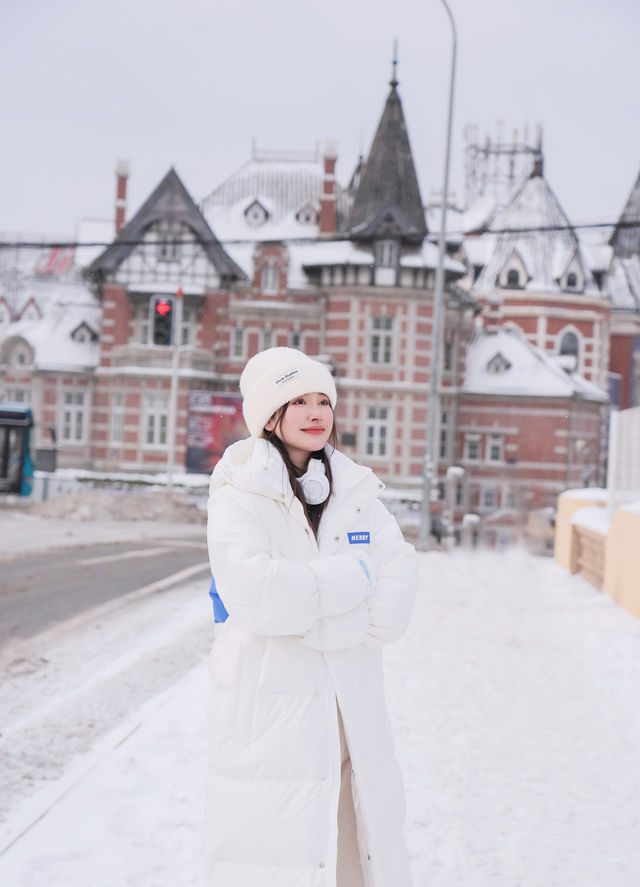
x,y
176,336
430,473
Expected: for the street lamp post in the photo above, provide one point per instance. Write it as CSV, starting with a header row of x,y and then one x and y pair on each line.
x,y
430,474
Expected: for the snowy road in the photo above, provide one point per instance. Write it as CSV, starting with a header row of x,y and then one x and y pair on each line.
x,y
515,702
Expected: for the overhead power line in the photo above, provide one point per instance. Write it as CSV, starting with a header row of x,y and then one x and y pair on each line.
x,y
78,244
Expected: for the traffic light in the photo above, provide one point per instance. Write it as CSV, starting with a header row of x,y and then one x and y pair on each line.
x,y
162,321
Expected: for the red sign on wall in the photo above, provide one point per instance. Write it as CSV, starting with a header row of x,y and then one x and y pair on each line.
x,y
214,421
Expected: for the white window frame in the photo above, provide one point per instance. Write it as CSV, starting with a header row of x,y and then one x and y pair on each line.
x,y
472,444
267,339
188,325
73,417
296,340
387,253
381,340
169,246
116,424
377,435
489,493
155,421
270,279
495,439
238,343
17,394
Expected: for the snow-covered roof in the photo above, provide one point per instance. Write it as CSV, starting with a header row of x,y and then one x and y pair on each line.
x,y
65,305
535,228
623,284
505,362
283,187
454,221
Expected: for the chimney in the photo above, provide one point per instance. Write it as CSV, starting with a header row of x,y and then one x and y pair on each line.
x,y
122,174
328,198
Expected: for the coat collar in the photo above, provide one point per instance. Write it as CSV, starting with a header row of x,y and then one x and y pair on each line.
x,y
254,465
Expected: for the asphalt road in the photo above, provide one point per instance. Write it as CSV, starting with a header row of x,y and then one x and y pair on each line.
x,y
40,590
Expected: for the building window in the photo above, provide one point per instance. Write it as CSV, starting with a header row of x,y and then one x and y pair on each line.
x,y
444,435
472,447
494,448
513,277
489,497
387,253
187,326
381,339
377,431
156,419
448,354
269,279
296,340
569,345
169,237
267,339
572,280
117,418
20,357
237,342
73,417
18,395
143,324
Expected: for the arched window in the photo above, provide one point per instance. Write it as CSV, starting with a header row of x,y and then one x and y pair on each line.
x,y
570,345
572,280
513,277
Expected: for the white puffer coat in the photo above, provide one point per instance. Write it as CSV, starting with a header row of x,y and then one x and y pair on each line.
x,y
305,632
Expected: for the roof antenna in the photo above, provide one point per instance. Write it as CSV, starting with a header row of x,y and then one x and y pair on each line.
x,y
394,65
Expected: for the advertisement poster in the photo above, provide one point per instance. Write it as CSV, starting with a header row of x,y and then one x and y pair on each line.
x,y
213,422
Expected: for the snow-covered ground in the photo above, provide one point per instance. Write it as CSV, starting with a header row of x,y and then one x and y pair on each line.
x,y
514,698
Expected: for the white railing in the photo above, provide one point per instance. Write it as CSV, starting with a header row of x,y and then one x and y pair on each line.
x,y
623,474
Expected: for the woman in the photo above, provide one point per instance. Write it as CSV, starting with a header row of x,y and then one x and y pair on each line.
x,y
304,788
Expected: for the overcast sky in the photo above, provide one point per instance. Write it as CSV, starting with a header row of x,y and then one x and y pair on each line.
x,y
191,82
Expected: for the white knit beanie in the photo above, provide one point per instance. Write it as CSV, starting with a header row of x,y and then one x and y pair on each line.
x,y
274,377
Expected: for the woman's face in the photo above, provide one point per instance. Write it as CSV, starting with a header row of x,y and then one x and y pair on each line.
x,y
305,426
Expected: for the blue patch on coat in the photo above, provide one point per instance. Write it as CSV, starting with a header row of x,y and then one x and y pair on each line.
x,y
359,538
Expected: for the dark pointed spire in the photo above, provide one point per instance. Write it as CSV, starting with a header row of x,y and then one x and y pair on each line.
x,y
387,202
625,239
393,83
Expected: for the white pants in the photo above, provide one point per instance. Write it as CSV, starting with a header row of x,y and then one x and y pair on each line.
x,y
349,868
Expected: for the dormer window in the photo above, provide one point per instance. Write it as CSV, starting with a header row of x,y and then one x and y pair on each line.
x,y
386,253
572,280
498,365
84,333
307,215
514,273
513,278
255,214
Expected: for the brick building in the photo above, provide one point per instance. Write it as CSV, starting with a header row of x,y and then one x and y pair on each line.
x,y
281,254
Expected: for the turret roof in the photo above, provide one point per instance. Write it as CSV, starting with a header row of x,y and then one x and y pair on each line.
x,y
625,239
387,201
536,228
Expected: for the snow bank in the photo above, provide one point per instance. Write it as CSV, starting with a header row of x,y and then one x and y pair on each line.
x,y
592,518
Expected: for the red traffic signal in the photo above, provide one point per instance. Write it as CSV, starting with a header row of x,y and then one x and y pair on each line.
x,y
162,321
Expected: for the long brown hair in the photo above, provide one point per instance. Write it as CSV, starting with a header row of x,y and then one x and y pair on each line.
x,y
313,512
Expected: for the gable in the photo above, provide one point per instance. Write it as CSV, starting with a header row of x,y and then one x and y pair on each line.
x,y
514,274
169,216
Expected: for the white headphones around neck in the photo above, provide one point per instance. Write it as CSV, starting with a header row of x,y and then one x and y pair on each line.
x,y
314,483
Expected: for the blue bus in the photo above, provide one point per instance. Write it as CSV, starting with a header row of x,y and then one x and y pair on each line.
x,y
16,466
